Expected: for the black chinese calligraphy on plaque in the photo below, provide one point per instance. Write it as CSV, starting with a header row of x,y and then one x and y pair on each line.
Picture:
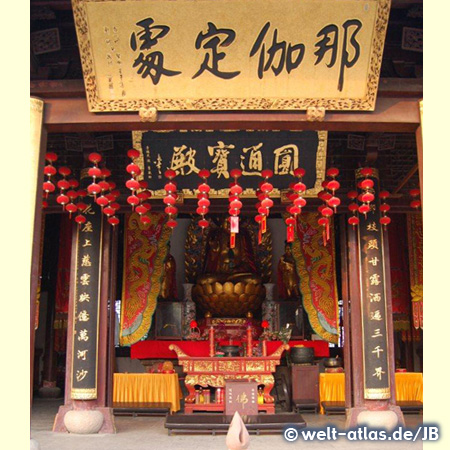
x,y
178,55
219,151
86,305
373,302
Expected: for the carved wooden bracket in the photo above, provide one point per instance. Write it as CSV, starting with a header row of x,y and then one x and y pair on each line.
x,y
148,114
315,114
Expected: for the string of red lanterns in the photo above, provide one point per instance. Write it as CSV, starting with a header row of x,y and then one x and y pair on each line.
x,y
330,202
72,194
265,202
49,172
144,207
367,196
297,191
63,186
384,208
203,199
235,205
133,184
170,198
415,202
94,172
353,208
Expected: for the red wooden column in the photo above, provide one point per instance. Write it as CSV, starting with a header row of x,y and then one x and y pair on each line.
x,y
371,321
85,399
346,309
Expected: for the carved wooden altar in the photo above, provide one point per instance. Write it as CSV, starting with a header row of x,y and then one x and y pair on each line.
x,y
214,371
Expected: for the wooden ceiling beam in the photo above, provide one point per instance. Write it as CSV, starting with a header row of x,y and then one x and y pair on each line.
x,y
71,115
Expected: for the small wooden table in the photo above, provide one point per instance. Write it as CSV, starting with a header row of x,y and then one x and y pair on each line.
x,y
213,371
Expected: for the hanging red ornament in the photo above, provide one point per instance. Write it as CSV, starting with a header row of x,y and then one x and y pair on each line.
x,y
80,219
113,220
354,220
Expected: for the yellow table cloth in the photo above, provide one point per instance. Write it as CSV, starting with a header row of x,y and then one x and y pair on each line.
x,y
409,387
147,388
331,388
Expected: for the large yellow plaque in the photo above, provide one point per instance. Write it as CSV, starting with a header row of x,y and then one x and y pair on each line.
x,y
231,54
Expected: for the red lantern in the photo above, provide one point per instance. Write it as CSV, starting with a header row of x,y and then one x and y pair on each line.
x,y
80,219
113,221
353,220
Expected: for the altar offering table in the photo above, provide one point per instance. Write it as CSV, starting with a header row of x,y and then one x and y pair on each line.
x,y
147,388
409,387
214,371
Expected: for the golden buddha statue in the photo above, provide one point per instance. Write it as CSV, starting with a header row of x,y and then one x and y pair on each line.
x,y
168,283
229,286
288,280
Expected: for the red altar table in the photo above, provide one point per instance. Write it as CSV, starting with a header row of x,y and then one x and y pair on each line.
x,y
214,371
160,349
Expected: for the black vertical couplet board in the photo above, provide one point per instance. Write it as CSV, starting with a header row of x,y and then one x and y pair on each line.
x,y
86,305
373,299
